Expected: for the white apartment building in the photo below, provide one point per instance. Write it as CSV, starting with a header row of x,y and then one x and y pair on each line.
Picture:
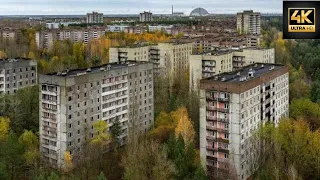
x,y
166,29
94,18
45,39
116,28
16,74
248,22
145,17
233,106
167,57
70,102
211,63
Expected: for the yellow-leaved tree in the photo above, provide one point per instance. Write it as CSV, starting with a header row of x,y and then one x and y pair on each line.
x,y
31,143
4,128
101,136
68,161
2,55
99,142
184,126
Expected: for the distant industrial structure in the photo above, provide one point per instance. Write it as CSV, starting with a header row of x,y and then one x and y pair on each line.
x,y
248,22
179,14
94,18
199,12
145,17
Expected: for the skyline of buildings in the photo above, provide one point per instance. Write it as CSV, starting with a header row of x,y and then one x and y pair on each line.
x,y
239,85
134,7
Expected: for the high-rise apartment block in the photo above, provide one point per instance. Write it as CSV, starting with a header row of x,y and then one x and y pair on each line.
x,y
219,61
166,57
248,22
7,34
233,105
94,18
45,39
71,101
145,17
16,74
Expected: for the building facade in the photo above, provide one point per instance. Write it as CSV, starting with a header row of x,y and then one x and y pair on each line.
x,y
209,64
248,22
232,107
70,102
145,17
94,18
45,39
16,74
166,57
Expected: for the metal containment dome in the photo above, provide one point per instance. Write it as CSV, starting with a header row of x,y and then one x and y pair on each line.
x,y
199,12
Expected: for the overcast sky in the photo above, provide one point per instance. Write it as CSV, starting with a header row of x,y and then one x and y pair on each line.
x,y
78,7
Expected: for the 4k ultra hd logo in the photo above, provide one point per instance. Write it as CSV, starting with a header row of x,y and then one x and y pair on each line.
x,y
301,20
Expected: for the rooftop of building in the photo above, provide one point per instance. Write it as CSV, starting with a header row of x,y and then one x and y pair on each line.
x,y
92,70
219,51
14,60
246,73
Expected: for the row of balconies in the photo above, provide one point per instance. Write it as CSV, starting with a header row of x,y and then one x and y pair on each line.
x,y
212,108
219,119
215,139
213,128
210,98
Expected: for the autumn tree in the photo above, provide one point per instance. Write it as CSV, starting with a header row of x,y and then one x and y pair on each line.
x,y
67,161
185,129
31,144
99,141
2,55
4,128
147,160
305,109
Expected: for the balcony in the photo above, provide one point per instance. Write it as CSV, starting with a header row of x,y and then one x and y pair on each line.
x,y
211,138
217,129
224,150
222,140
225,120
225,99
224,110
211,118
211,158
211,108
